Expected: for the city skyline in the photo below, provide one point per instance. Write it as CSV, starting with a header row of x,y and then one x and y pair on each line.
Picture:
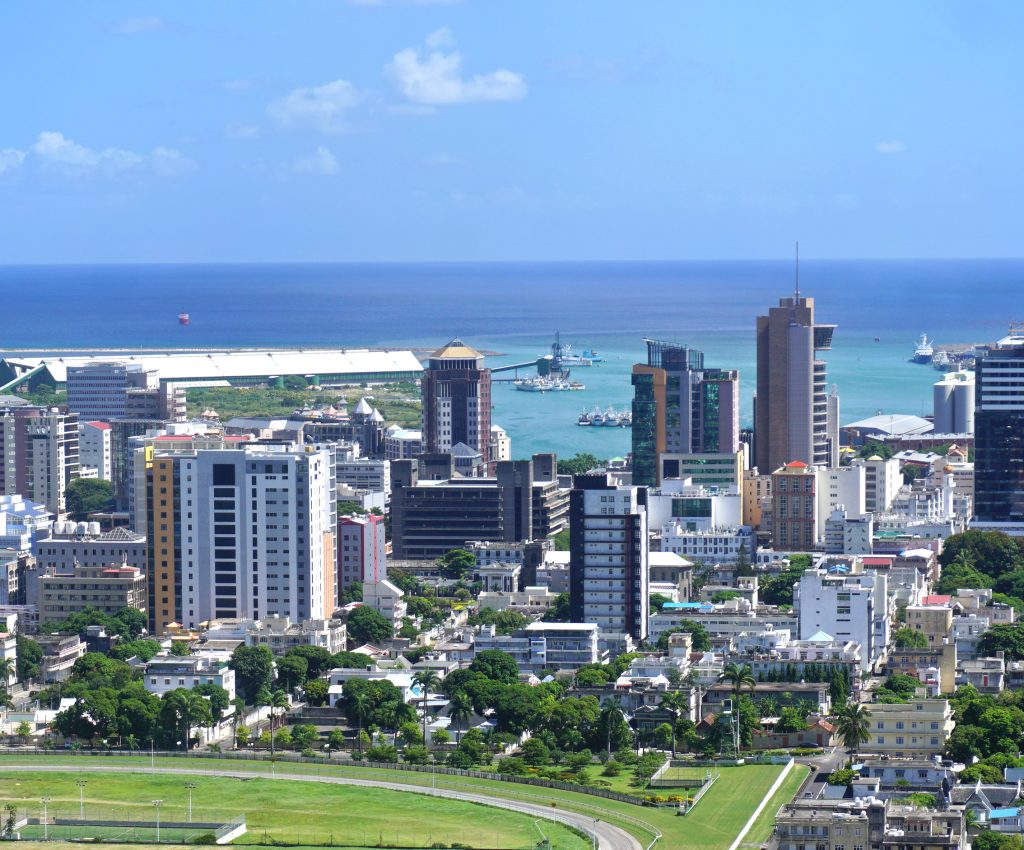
x,y
479,131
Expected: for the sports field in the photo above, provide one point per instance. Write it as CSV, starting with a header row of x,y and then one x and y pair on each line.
x,y
712,825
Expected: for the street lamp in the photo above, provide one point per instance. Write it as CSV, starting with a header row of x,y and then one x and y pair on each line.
x,y
158,804
190,786
81,797
46,820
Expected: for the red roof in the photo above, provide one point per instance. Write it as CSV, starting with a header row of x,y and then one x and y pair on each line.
x,y
797,464
936,599
103,426
877,561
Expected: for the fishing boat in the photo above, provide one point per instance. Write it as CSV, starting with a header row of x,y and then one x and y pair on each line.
x,y
924,350
592,355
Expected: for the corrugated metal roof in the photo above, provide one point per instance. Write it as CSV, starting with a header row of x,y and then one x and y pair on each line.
x,y
223,365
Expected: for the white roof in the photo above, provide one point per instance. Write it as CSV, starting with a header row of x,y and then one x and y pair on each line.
x,y
238,364
562,627
893,423
667,559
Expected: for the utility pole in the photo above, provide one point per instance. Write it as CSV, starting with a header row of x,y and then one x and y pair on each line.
x,y
157,804
81,797
46,820
190,786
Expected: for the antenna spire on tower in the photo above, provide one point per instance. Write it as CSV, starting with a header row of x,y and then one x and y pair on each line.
x,y
797,292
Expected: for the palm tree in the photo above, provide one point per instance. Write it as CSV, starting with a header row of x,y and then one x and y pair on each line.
x,y
768,706
611,712
403,713
675,704
239,706
852,725
6,670
277,699
359,705
460,710
427,680
739,678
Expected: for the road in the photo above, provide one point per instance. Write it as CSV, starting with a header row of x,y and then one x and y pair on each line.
x,y
821,766
609,837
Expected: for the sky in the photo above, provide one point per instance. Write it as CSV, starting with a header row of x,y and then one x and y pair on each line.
x,y
430,130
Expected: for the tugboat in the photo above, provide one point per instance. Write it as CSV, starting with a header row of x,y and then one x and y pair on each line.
x,y
183,318
924,351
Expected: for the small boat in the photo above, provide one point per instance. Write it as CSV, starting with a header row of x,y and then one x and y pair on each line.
x,y
592,355
183,318
610,418
924,351
878,339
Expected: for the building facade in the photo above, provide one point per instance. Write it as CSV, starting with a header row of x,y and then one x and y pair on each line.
x,y
94,448
456,390
39,450
107,589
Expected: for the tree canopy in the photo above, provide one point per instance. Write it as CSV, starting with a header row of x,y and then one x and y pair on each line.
x,y
84,496
365,625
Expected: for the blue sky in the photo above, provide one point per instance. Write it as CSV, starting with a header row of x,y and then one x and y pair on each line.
x,y
405,130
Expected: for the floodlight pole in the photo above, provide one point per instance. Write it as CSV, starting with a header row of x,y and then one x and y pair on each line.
x,y
158,804
190,786
81,798
46,820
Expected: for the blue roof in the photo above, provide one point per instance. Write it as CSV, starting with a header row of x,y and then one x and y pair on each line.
x,y
691,605
1003,813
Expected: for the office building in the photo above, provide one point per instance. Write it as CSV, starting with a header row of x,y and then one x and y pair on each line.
x,y
107,589
39,451
433,512
70,543
680,407
361,550
708,469
792,419
94,448
403,443
608,567
848,534
240,533
953,403
98,389
456,390
796,523
999,436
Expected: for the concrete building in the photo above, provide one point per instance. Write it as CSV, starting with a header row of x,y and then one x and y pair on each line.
x,y
848,535
9,650
501,444
681,407
703,469
545,646
842,600
456,391
841,486
360,476
387,599
361,550
796,523
71,543
94,448
791,407
166,673
107,589
935,622
757,497
39,452
935,668
60,652
403,443
247,533
882,481
953,403
920,727
609,556
999,437
99,389
22,523
430,516
280,634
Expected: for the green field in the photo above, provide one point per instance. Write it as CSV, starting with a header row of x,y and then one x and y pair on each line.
x,y
289,812
713,824
762,829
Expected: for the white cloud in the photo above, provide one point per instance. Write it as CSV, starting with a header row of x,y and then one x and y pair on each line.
x,y
436,78
320,107
440,38
235,130
892,146
10,159
141,26
55,151
321,162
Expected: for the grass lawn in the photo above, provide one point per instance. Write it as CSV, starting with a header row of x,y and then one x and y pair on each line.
x,y
761,831
713,824
292,812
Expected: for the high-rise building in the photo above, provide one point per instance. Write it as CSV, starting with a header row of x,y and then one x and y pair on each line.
x,y
795,418
796,524
119,390
999,436
608,560
240,533
39,450
681,407
953,403
361,550
94,448
456,401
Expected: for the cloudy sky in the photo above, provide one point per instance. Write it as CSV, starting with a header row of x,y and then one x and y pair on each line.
x,y
407,130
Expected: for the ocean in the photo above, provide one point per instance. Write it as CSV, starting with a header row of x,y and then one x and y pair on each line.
x,y
515,309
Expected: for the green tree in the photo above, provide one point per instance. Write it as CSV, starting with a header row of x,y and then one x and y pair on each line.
x,y
368,626
559,610
992,552
853,722
960,574
460,710
496,665
427,681
254,669
561,540
84,496
536,753
701,638
739,677
455,563
141,649
350,660
676,704
580,464
658,601
743,566
612,721
274,700
907,638
1007,637
317,692
291,671
30,654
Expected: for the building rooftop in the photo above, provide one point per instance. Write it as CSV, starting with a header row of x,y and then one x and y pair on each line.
x,y
456,350
893,423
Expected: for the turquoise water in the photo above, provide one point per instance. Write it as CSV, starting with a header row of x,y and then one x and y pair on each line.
x,y
516,308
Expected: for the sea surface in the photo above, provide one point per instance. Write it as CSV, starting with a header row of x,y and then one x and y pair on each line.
x,y
880,307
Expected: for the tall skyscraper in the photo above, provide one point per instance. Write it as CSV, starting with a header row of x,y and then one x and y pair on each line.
x,y
681,407
608,558
240,533
38,454
795,418
456,401
999,436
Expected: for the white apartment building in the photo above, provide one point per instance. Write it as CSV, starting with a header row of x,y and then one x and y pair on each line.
x,y
841,486
94,448
387,600
848,535
918,728
501,444
22,523
280,633
841,600
168,672
365,475
882,480
609,571
726,620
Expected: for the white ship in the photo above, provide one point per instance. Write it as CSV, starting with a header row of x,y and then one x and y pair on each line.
x,y
609,418
924,351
